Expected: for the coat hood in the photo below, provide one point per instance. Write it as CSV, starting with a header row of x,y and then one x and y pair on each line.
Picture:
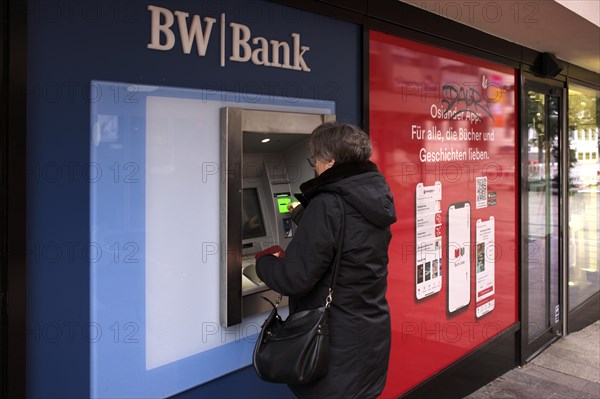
x,y
361,185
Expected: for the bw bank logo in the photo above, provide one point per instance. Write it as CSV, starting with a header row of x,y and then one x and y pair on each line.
x,y
244,47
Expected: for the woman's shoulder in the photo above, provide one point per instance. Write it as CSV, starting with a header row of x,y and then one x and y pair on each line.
x,y
325,198
325,204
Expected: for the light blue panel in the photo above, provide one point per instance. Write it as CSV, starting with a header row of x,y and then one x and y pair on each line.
x,y
154,181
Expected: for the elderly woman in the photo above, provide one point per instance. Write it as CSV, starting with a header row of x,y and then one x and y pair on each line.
x,y
359,318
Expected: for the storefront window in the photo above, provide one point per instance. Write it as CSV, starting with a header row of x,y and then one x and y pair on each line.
x,y
584,194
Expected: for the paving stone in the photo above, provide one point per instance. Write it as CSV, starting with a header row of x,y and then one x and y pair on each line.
x,y
568,369
544,373
592,388
577,354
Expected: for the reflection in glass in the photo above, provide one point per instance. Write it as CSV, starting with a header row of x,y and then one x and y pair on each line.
x,y
542,182
584,194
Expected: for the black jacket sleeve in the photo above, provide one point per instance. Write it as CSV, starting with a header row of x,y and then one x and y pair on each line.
x,y
297,213
311,252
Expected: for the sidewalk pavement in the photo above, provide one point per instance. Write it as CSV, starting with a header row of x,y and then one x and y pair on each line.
x,y
568,369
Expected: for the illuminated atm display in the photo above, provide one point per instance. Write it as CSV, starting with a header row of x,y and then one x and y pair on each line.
x,y
283,200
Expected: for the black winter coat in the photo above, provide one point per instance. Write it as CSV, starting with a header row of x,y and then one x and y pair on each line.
x,y
359,318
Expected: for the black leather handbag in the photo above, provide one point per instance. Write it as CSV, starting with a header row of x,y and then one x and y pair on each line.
x,y
296,350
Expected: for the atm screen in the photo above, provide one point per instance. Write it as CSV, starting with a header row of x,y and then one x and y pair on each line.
x,y
253,224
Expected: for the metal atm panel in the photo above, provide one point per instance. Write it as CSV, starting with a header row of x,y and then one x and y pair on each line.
x,y
261,178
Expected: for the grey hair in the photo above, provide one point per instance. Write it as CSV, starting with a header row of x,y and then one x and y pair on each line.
x,y
341,142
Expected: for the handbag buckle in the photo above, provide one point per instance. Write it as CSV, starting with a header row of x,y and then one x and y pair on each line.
x,y
329,299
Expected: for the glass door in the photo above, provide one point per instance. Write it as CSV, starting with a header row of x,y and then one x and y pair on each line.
x,y
541,210
583,203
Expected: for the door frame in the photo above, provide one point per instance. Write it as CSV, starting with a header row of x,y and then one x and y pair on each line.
x,y
3,198
13,72
528,350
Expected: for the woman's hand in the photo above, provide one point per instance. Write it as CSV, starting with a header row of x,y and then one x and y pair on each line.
x,y
292,205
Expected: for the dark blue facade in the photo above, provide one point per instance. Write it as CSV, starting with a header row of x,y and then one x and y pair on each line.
x,y
69,45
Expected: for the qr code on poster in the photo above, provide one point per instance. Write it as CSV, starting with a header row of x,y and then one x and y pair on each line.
x,y
481,192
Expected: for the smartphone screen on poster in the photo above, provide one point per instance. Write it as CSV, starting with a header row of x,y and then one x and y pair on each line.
x,y
428,242
484,267
459,259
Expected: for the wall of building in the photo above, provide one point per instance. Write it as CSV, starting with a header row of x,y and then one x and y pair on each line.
x,y
82,55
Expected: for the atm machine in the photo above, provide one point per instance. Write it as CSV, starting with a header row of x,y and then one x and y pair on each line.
x,y
264,155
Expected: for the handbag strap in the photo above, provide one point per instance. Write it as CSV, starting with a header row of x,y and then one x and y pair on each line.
x,y
338,253
336,261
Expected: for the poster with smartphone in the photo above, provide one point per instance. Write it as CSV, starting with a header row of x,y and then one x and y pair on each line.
x,y
459,256
442,126
428,240
484,267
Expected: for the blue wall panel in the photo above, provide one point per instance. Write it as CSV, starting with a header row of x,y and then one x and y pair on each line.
x,y
154,289
228,387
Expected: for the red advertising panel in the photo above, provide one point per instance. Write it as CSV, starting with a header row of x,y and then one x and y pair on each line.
x,y
443,131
